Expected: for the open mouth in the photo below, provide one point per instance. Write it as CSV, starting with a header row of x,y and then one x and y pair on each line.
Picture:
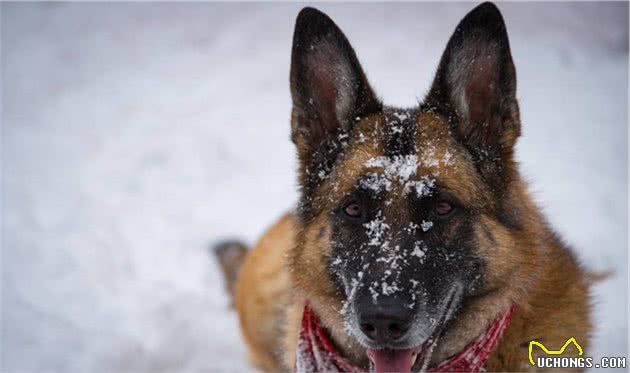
x,y
402,360
414,359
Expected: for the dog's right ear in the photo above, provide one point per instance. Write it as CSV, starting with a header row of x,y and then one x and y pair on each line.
x,y
328,86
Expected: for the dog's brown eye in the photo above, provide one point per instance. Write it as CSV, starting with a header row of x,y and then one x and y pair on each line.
x,y
442,208
353,210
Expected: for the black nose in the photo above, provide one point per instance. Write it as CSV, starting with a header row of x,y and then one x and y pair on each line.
x,y
387,322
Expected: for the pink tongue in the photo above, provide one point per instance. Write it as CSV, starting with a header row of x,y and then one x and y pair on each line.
x,y
391,360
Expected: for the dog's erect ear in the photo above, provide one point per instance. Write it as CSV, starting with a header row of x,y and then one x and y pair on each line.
x,y
328,86
475,85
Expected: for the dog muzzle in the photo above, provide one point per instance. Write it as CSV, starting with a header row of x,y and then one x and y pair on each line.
x,y
316,352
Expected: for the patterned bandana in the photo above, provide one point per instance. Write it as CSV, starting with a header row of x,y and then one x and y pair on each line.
x,y
316,353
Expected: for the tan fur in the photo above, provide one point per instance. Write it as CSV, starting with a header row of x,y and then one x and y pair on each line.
x,y
262,291
529,267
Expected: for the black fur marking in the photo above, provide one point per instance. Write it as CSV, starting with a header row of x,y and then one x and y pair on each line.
x,y
509,216
400,132
509,219
321,163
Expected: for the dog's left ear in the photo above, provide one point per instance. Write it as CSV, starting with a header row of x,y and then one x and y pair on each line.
x,y
475,86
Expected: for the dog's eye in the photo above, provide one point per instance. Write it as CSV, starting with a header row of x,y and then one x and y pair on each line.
x,y
442,208
353,210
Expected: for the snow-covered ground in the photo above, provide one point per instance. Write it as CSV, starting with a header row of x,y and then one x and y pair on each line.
x,y
133,135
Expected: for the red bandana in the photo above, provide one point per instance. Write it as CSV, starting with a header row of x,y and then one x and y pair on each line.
x,y
316,352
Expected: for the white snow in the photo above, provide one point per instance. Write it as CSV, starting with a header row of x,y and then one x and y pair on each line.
x,y
133,135
376,230
418,250
423,186
426,225
396,167
376,182
399,169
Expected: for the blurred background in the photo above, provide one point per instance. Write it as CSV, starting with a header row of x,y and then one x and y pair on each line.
x,y
134,135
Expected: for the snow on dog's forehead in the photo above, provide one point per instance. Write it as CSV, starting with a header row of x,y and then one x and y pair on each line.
x,y
438,160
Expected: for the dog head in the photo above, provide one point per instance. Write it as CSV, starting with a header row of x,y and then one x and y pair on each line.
x,y
406,215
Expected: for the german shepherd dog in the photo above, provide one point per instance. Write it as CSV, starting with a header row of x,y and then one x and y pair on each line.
x,y
414,231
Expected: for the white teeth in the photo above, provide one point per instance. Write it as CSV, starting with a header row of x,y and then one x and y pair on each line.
x,y
414,357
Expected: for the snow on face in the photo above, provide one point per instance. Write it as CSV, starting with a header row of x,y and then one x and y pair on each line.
x,y
401,169
386,248
376,182
387,172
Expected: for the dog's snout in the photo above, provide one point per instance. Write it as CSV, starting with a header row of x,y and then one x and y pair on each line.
x,y
386,322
